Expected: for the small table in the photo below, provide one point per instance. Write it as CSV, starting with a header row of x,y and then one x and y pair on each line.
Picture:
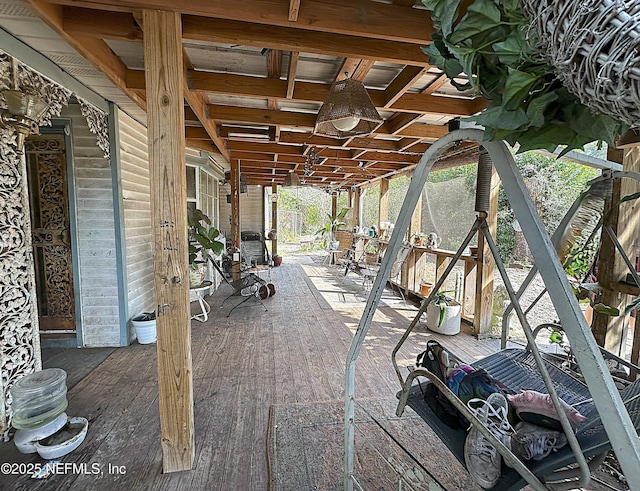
x,y
205,308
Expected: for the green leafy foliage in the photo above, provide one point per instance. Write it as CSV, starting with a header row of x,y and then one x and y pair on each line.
x,y
442,301
202,237
527,102
332,224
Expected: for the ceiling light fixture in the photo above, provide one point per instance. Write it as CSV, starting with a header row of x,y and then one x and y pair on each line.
x,y
291,180
347,111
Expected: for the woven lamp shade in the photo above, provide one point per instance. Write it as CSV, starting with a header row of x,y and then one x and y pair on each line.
x,y
291,180
347,100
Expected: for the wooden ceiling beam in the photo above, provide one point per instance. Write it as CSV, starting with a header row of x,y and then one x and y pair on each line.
x,y
224,83
426,131
287,38
403,82
354,68
205,145
294,10
363,18
304,121
260,116
390,157
427,103
243,134
94,50
291,73
196,133
274,148
122,26
360,143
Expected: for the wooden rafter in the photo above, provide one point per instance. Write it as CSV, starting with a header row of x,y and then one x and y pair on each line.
x,y
93,49
270,134
353,18
88,22
294,10
247,86
291,73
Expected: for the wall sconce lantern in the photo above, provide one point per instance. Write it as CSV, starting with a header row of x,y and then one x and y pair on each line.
x,y
347,111
274,198
22,114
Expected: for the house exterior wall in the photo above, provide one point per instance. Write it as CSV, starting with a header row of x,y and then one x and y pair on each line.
x,y
251,211
96,241
136,206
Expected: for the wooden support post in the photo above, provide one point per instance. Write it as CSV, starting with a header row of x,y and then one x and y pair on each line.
x,y
610,332
416,220
274,220
334,205
414,227
355,208
165,110
483,309
235,218
383,202
468,297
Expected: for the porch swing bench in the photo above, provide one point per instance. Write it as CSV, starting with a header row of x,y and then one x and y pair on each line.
x,y
517,369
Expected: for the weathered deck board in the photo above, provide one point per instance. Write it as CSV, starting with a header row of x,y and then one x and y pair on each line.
x,y
293,353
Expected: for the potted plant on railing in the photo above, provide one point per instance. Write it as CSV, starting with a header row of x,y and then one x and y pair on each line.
x,y
443,314
328,230
425,288
203,239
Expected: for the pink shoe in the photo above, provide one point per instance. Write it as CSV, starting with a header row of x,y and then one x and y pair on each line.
x,y
540,406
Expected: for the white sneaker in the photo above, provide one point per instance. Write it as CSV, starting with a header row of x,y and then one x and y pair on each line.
x,y
532,442
481,457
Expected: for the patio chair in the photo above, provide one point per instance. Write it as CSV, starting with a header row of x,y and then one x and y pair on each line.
x,y
249,286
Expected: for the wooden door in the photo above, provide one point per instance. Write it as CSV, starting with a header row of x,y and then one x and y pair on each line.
x,y
49,206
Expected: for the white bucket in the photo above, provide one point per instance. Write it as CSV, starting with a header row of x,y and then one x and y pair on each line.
x,y
145,331
451,322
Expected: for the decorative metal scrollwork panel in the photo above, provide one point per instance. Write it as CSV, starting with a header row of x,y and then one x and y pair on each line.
x,y
98,125
50,222
19,340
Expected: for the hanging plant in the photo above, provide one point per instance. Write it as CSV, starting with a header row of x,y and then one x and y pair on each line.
x,y
528,104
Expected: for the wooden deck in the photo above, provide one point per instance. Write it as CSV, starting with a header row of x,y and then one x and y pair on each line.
x,y
243,364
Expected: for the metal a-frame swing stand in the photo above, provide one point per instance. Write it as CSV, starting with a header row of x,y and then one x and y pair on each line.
x,y
607,400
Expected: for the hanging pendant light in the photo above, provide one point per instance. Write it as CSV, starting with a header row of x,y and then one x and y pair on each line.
x,y
347,111
291,180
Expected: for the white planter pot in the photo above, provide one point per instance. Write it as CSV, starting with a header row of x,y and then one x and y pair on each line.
x,y
145,330
451,322
197,275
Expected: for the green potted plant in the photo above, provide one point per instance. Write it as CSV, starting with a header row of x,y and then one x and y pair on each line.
x,y
328,230
443,314
203,239
491,45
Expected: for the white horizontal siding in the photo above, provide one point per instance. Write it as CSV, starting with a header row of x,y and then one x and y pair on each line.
x,y
136,206
98,282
